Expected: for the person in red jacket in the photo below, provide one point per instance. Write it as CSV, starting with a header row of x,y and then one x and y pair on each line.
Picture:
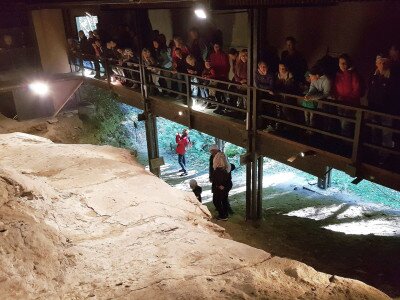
x,y
182,141
220,62
347,90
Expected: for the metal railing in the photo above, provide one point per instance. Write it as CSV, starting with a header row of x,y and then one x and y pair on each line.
x,y
368,130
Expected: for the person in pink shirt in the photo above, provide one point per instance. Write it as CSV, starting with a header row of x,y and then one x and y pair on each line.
x,y
182,141
347,90
220,62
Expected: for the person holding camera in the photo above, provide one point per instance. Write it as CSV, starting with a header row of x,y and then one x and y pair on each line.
x,y
182,141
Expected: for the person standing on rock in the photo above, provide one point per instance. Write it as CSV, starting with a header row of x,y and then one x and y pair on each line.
x,y
182,141
214,150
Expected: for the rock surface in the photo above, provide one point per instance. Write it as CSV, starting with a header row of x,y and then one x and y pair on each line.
x,y
82,221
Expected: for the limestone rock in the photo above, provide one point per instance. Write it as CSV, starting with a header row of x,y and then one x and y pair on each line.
x,y
98,225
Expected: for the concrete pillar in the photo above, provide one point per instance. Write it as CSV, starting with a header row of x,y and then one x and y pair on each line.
x,y
324,181
52,43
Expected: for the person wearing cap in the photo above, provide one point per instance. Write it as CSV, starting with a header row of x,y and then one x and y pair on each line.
x,y
383,96
182,141
197,190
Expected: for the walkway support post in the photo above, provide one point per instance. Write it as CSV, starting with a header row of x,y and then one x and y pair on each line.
x,y
150,126
152,143
253,196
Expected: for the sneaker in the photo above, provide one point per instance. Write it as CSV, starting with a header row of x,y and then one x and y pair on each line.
x,y
222,218
183,174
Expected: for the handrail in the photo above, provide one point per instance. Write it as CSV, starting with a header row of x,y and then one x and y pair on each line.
x,y
252,94
317,112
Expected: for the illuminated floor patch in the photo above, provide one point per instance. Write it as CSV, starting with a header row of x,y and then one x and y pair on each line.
x,y
316,213
381,227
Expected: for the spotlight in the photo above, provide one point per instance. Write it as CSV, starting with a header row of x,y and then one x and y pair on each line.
x,y
39,88
301,155
180,113
200,13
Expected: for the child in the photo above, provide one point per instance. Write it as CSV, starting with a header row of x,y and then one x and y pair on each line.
x,y
208,73
196,189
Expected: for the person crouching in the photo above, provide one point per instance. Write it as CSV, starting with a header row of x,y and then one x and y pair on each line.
x,y
196,189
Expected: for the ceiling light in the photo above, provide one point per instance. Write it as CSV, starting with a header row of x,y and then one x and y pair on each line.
x,y
200,13
39,88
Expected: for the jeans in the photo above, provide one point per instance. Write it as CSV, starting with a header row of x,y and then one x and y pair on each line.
x,y
204,92
182,162
383,137
194,88
346,127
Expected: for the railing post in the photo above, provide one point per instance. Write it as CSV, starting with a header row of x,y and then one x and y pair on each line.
x,y
188,91
144,89
357,136
81,64
107,67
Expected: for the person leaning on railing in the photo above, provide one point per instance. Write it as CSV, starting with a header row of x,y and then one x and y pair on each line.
x,y
347,90
394,56
320,88
220,62
284,83
149,62
162,55
208,73
178,66
193,68
264,80
383,96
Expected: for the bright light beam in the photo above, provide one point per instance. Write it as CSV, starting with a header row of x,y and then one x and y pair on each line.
x,y
39,88
200,13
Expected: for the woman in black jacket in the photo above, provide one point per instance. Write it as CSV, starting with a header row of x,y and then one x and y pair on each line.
x,y
221,183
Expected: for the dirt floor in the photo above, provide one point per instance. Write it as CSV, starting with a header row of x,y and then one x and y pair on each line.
x,y
372,259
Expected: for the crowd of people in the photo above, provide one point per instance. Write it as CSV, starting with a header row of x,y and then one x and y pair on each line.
x,y
219,77
333,79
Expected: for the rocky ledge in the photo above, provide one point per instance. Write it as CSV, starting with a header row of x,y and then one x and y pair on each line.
x,y
83,221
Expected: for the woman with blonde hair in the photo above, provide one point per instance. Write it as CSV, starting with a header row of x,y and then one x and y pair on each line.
x,y
221,185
